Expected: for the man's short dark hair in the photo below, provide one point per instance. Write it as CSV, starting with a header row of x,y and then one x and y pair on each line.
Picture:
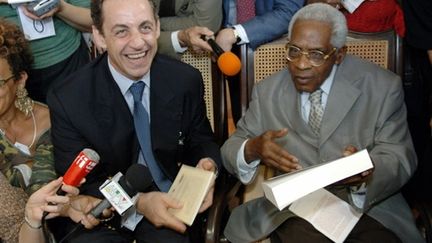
x,y
97,15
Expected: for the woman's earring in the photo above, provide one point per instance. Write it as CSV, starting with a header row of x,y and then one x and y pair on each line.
x,y
23,102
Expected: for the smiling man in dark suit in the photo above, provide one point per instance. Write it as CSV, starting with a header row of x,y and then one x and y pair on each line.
x,y
95,108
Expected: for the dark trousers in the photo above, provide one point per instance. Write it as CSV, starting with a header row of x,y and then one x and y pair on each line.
x,y
145,232
298,230
40,80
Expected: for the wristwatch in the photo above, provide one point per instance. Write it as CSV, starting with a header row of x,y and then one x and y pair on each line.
x,y
236,35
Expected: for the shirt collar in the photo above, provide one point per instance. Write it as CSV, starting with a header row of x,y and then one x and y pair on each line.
x,y
123,82
326,86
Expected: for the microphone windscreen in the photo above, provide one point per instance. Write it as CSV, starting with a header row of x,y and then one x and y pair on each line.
x,y
86,160
229,63
137,178
91,154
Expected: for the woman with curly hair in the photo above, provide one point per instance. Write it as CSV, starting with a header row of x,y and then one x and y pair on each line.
x,y
24,132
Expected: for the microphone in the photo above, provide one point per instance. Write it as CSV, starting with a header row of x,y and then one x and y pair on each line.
x,y
137,179
227,62
85,161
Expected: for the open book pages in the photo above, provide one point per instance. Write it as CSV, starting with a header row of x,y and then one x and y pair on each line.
x,y
329,214
190,188
285,189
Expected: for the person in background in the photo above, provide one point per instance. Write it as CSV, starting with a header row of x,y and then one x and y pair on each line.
x,y
259,22
134,106
183,22
252,22
26,158
26,151
372,15
324,106
57,56
24,124
13,201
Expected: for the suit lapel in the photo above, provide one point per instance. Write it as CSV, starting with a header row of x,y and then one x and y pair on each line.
x,y
341,99
112,115
293,114
161,96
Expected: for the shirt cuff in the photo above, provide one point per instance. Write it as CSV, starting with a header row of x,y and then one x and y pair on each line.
x,y
242,34
131,218
246,172
358,195
175,42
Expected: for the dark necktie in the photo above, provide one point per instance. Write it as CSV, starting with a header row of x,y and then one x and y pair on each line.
x,y
245,10
142,128
316,111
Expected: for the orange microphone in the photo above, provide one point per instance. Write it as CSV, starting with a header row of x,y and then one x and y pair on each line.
x,y
227,62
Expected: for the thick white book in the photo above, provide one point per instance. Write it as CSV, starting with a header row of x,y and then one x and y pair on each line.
x,y
190,188
284,189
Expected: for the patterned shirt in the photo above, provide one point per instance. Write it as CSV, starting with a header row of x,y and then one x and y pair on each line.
x,y
41,163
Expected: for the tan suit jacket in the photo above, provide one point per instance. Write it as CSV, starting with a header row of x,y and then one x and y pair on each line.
x,y
366,109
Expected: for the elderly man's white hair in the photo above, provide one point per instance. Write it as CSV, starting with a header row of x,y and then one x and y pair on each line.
x,y
327,14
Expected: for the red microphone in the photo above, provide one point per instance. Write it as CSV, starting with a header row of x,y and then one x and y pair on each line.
x,y
86,160
227,61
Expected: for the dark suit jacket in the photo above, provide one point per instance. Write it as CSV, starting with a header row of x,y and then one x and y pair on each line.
x,y
89,111
274,13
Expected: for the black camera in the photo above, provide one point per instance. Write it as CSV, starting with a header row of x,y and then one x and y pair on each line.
x,y
40,7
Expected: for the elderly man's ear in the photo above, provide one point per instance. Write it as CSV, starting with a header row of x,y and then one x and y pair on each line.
x,y
340,54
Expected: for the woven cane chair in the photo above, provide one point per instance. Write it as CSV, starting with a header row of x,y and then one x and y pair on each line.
x,y
214,95
214,91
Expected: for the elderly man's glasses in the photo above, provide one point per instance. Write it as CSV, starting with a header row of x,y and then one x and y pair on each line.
x,y
315,57
4,81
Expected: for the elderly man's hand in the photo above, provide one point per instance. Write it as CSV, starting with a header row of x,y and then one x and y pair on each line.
x,y
355,179
271,154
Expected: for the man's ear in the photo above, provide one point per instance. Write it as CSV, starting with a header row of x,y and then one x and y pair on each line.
x,y
157,28
340,54
98,38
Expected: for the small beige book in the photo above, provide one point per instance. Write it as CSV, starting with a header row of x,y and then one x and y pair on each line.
x,y
190,188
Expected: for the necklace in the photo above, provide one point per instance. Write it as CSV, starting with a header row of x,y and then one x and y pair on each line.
x,y
34,129
3,132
